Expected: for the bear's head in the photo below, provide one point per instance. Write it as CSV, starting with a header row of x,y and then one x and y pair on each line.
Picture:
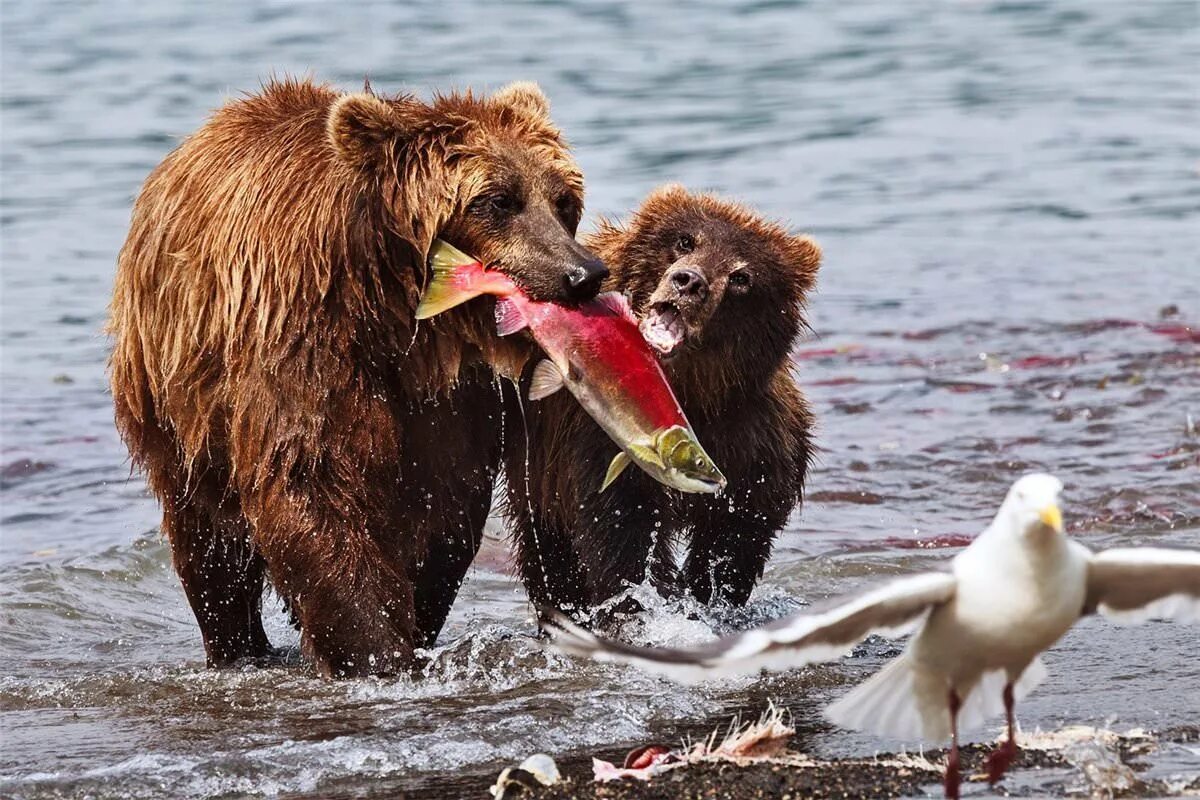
x,y
720,291
491,175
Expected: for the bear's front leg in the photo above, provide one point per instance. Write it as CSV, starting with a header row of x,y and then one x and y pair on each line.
x,y
623,533
730,545
353,600
322,503
453,455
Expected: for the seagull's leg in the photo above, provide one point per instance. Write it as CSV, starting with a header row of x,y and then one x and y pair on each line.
x,y
953,777
1003,756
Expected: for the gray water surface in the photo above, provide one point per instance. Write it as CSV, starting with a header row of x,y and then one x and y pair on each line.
x,y
1008,196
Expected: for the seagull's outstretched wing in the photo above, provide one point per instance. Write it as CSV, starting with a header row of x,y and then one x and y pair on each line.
x,y
1134,584
793,641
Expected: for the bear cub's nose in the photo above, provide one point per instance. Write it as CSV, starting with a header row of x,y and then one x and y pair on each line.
x,y
689,283
584,279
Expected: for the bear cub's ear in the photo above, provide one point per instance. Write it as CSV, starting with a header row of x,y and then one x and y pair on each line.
x,y
524,96
667,191
361,125
804,254
665,197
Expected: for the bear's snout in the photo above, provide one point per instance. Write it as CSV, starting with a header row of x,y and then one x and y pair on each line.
x,y
688,283
582,281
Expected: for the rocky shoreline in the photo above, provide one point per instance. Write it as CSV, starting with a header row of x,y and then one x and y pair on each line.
x,y
1070,762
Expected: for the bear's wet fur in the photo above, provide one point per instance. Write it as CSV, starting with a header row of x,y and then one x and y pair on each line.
x,y
737,285
294,419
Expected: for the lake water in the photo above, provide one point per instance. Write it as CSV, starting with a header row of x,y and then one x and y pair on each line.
x,y
1008,196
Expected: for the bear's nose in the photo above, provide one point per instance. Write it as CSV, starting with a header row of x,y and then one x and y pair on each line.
x,y
583,280
689,283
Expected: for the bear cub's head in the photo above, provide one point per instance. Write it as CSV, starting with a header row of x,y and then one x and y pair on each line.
x,y
711,279
490,175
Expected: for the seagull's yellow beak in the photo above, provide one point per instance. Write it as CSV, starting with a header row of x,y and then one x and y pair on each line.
x,y
1051,517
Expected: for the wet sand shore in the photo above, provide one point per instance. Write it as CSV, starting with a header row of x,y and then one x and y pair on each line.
x,y
1081,764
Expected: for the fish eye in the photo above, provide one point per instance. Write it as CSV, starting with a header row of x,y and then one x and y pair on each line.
x,y
739,281
686,243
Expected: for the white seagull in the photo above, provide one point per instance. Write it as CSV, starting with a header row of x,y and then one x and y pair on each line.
x,y
1018,587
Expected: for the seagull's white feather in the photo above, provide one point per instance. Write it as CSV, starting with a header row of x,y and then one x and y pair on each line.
x,y
1136,584
886,703
986,700
578,641
799,639
887,610
904,702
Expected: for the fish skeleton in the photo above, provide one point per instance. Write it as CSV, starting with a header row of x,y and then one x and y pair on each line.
x,y
596,350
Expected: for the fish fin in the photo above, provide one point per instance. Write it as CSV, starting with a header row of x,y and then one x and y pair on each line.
x,y
509,318
618,303
649,454
546,380
442,293
615,468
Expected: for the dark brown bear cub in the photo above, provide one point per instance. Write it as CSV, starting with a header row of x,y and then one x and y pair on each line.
x,y
720,294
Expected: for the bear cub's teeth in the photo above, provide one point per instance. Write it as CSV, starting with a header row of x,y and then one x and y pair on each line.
x,y
663,329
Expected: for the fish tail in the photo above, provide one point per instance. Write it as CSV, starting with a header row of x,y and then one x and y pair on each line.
x,y
457,277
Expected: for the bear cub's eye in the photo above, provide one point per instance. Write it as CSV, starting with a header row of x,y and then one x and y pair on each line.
x,y
685,244
740,281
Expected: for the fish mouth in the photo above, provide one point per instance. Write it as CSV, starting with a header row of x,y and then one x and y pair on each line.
x,y
698,484
663,328
711,486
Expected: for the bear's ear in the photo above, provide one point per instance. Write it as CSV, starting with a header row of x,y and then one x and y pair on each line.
x,y
667,193
805,255
663,203
526,97
604,239
361,125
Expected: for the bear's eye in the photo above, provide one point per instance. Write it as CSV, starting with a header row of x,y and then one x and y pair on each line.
x,y
568,210
685,243
497,203
740,281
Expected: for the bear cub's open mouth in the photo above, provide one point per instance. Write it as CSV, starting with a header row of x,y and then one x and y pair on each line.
x,y
663,328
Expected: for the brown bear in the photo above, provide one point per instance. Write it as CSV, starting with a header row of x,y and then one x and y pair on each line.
x,y
720,293
270,378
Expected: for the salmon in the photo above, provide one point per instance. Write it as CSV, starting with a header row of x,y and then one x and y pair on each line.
x,y
596,351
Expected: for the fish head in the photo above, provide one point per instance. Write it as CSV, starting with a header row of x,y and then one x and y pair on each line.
x,y
685,465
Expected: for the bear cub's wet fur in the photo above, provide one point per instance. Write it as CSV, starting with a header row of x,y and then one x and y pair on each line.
x,y
720,292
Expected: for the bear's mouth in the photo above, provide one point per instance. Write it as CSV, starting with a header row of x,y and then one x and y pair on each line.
x,y
663,328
